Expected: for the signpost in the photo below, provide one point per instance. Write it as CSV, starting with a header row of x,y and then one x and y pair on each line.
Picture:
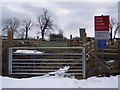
x,y
101,31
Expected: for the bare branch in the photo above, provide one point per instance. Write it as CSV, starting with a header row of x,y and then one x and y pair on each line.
x,y
26,26
116,29
45,22
113,22
10,24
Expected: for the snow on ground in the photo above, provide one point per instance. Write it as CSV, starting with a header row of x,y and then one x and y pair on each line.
x,y
60,82
0,82
60,73
28,52
57,81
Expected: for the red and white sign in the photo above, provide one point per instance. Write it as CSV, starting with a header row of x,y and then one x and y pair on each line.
x,y
101,27
101,23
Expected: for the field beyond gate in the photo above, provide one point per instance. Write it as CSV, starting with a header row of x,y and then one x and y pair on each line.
x,y
50,60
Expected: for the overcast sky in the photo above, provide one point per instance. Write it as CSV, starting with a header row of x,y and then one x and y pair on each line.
x,y
69,16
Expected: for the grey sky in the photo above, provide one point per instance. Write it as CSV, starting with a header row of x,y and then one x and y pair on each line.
x,y
69,16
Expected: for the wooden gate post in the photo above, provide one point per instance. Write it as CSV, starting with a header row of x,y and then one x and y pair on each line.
x,y
90,48
10,61
119,48
0,55
9,45
96,46
10,39
119,52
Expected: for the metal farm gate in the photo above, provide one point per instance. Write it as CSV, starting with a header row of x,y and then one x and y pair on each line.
x,y
52,58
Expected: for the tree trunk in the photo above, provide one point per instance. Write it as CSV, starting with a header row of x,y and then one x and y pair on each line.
x,y
114,36
111,35
42,33
26,36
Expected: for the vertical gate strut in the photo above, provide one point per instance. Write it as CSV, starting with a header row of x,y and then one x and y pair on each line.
x,y
10,61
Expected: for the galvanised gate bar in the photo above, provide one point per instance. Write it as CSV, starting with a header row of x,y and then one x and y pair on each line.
x,y
52,59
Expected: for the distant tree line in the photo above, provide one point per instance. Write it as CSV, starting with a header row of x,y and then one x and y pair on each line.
x,y
21,28
45,24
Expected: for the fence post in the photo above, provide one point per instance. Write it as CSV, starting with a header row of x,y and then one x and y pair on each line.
x,y
119,53
91,48
10,61
96,46
84,55
0,55
10,39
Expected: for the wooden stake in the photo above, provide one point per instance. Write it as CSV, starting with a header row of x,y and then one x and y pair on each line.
x,y
10,39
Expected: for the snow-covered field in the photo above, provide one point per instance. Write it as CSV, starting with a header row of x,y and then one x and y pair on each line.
x,y
60,82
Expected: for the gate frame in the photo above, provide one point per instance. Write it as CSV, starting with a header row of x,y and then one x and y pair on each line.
x,y
83,57
10,60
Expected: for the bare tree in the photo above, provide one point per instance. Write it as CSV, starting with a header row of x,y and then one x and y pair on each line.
x,y
10,24
21,33
45,22
116,29
112,25
26,26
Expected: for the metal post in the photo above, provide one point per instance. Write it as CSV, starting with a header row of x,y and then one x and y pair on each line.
x,y
10,61
84,54
84,62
